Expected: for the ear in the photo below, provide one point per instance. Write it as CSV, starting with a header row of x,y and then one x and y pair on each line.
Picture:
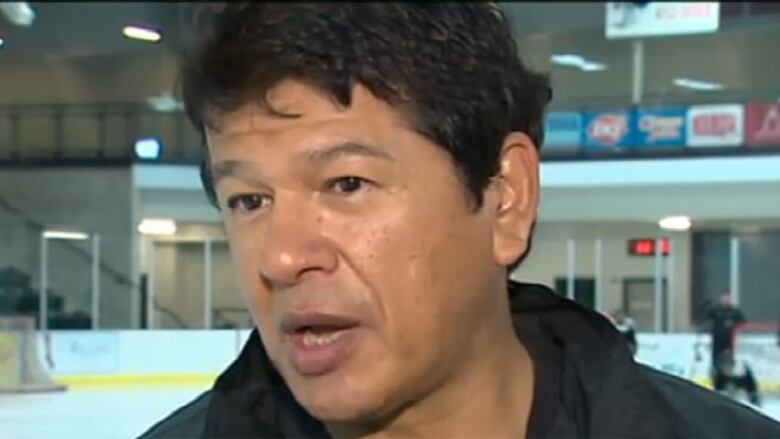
x,y
517,189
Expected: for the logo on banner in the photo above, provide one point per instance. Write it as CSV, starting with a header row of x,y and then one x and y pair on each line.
x,y
86,352
763,124
662,128
716,125
608,129
719,125
771,124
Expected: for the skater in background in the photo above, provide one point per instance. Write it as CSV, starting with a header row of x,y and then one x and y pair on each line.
x,y
722,321
733,376
729,375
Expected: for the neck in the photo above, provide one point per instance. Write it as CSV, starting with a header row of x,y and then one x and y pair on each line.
x,y
489,396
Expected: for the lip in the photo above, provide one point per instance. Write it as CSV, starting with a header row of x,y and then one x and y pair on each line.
x,y
293,322
318,360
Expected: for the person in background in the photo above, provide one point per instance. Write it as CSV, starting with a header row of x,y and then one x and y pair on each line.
x,y
723,320
733,376
729,374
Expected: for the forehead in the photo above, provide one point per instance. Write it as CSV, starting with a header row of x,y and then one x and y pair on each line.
x,y
310,110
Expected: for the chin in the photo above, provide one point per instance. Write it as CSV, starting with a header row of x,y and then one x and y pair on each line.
x,y
332,412
339,400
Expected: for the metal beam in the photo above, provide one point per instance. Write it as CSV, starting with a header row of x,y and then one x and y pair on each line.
x,y
734,260
95,281
571,249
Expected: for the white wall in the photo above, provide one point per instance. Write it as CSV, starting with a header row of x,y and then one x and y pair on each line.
x,y
647,190
179,277
548,260
593,191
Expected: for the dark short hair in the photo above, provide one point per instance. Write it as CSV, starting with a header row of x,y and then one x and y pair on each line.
x,y
453,70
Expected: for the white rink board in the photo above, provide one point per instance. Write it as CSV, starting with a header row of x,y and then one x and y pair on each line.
x,y
677,354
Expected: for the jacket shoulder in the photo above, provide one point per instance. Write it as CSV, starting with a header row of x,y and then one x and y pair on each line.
x,y
187,421
700,412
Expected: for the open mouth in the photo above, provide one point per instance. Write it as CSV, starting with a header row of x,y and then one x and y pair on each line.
x,y
319,335
320,342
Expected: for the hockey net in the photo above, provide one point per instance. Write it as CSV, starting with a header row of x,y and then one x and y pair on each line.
x,y
757,345
20,365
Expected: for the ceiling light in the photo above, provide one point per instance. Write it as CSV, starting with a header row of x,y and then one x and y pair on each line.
x,y
59,234
165,103
148,148
2,41
567,59
159,227
675,223
573,60
593,67
695,84
142,33
18,13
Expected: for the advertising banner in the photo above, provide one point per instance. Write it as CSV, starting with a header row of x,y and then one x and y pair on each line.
x,y
661,127
563,130
648,19
762,124
716,125
86,352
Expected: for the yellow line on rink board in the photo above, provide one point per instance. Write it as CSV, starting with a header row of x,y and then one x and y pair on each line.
x,y
206,380
136,380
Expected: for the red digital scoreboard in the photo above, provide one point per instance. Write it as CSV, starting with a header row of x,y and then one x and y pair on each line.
x,y
646,246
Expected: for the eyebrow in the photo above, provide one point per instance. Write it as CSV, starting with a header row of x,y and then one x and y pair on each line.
x,y
228,168
235,168
345,149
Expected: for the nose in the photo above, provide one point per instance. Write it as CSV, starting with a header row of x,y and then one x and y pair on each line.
x,y
293,246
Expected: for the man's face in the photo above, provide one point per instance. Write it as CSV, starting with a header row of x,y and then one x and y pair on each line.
x,y
725,300
362,260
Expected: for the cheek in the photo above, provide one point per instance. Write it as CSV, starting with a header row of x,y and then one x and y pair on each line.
x,y
245,253
424,269
450,286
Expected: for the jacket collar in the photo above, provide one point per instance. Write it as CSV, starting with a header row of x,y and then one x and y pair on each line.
x,y
599,378
604,392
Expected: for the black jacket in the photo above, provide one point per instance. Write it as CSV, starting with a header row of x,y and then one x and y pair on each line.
x,y
603,392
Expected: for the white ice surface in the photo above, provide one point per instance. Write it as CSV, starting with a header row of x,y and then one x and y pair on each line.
x,y
110,414
87,413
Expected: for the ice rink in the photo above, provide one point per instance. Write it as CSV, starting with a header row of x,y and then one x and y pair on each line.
x,y
102,414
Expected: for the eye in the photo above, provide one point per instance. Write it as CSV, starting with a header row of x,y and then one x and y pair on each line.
x,y
245,203
348,185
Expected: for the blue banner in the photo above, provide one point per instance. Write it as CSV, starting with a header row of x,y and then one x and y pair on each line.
x,y
607,130
563,130
661,127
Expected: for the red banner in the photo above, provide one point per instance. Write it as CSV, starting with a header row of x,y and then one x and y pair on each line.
x,y
762,124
